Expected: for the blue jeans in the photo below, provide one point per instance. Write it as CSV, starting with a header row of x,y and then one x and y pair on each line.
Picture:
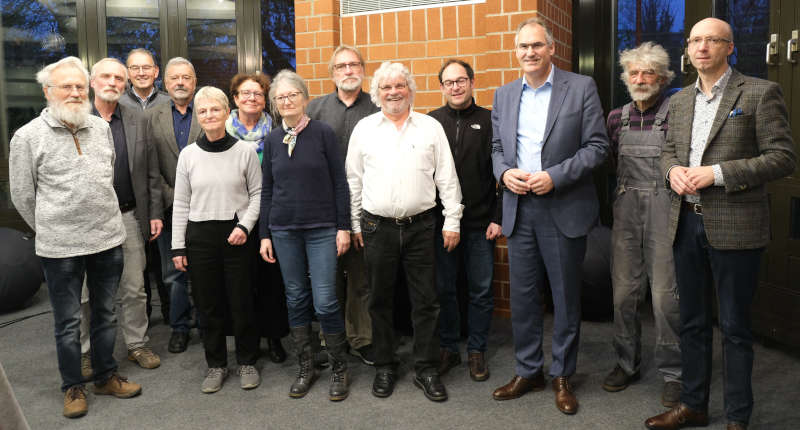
x,y
735,275
304,252
477,257
175,281
64,278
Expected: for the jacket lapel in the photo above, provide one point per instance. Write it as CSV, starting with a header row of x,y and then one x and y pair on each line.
x,y
194,129
130,127
167,127
557,96
510,148
729,97
684,117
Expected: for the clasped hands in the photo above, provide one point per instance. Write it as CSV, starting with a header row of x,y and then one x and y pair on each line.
x,y
690,180
521,182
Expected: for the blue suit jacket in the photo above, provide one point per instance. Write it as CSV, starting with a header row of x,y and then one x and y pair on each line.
x,y
575,142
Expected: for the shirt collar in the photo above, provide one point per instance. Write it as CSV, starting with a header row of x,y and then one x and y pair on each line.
x,y
549,80
188,108
721,83
116,114
153,91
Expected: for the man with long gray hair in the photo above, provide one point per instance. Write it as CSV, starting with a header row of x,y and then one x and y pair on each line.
x,y
641,251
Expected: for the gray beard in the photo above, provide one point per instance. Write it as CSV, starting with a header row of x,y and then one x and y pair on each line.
x,y
108,97
73,117
348,86
639,96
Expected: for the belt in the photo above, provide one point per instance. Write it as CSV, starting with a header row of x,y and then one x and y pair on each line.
x,y
402,220
127,207
694,207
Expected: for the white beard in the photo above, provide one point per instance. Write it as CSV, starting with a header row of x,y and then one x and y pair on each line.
x,y
109,97
73,116
347,85
640,96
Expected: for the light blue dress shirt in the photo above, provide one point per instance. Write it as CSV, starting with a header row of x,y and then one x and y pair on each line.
x,y
533,106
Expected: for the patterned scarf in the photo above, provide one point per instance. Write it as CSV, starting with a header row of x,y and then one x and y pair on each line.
x,y
290,139
235,128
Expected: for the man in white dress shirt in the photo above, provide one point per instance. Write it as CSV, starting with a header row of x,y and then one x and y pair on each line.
x,y
396,162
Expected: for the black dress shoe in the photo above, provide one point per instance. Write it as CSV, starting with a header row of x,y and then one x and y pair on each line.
x,y
276,352
383,385
178,341
432,386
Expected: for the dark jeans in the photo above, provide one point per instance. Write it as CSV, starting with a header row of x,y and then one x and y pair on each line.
x,y
64,282
180,309
735,274
476,255
220,275
389,246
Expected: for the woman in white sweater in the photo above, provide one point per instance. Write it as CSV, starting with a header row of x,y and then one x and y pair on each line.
x,y
217,198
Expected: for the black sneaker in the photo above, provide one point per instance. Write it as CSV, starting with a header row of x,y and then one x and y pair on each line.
x,y
178,341
366,354
618,380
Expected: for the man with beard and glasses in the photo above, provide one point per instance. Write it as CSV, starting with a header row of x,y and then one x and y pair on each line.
x,y
142,73
61,174
641,257
396,162
138,189
170,127
341,110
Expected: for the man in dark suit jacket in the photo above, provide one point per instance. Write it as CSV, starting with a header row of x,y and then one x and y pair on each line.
x,y
728,136
548,136
170,127
138,189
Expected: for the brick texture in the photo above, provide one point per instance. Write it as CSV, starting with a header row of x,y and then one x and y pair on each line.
x,y
481,34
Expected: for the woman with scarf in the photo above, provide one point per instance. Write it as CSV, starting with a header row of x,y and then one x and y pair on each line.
x,y
305,222
249,123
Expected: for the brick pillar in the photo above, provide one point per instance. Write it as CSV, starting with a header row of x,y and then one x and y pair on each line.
x,y
317,34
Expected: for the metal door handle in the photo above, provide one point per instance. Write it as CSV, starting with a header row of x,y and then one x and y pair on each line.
x,y
772,49
684,63
791,46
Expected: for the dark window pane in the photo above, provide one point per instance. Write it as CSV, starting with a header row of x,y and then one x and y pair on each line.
x,y
133,24
750,22
211,35
277,36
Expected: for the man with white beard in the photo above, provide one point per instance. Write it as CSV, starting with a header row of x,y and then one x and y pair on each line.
x,y
342,110
641,249
61,174
138,189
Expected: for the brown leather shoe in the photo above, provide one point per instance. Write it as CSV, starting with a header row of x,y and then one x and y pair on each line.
x,y
448,360
478,370
75,402
678,417
519,386
566,402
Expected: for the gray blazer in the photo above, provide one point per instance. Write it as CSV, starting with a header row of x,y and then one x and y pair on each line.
x,y
575,142
161,135
143,166
751,140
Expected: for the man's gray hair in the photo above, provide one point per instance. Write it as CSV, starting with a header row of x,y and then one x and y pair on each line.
x,y
290,78
389,70
43,76
177,61
342,48
143,52
214,94
108,60
548,34
650,55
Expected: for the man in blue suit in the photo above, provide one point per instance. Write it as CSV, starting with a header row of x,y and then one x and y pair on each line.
x,y
549,135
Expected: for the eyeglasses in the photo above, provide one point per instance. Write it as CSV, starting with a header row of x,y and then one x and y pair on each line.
x,y
398,87
246,94
68,89
461,82
291,97
341,66
708,40
137,69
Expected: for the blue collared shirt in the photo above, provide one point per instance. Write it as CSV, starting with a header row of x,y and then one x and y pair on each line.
x,y
181,124
533,105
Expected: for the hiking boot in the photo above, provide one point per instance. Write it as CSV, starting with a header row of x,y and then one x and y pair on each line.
x,y
306,372
214,378
118,386
618,380
144,357
249,377
86,366
75,402
337,351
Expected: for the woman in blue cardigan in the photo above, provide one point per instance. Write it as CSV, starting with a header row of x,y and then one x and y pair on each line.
x,y
305,222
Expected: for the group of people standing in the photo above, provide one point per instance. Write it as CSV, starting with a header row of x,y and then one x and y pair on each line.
x,y
344,191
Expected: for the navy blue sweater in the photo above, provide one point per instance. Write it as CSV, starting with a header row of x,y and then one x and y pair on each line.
x,y
308,189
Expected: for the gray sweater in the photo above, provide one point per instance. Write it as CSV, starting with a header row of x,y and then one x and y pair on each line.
x,y
64,189
215,185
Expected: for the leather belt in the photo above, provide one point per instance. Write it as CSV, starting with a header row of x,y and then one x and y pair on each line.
x,y
127,207
406,220
694,207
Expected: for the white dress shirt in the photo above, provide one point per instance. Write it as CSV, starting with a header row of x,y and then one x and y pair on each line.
x,y
396,173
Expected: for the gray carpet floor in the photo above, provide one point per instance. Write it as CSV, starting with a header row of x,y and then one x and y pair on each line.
x,y
171,397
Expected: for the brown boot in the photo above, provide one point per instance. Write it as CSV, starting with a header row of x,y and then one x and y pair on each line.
x,y
119,387
75,402
478,369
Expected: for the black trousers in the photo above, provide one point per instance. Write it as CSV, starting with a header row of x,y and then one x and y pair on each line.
x,y
272,316
220,274
389,246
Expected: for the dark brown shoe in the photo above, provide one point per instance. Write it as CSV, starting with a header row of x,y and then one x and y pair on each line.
x,y
448,360
478,370
519,386
566,402
676,418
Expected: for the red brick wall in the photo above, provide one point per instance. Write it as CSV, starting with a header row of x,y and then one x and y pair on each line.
x,y
481,34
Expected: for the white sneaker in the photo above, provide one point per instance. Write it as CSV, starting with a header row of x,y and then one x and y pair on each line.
x,y
249,377
214,378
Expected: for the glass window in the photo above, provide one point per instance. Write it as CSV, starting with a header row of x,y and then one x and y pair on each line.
x,y
211,35
132,24
750,23
277,36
